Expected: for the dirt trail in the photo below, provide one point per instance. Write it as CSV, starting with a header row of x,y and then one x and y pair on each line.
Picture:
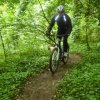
x,y
43,86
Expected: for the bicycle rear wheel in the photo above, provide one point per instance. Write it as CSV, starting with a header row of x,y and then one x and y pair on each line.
x,y
65,59
54,60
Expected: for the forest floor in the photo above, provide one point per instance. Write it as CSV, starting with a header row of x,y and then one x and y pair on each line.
x,y
43,86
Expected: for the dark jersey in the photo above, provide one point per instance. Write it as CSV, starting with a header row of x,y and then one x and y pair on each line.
x,y
64,24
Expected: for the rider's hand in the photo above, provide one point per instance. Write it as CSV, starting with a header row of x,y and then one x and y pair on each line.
x,y
47,34
68,34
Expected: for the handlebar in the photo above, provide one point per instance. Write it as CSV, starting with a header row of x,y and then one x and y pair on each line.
x,y
63,35
59,35
55,36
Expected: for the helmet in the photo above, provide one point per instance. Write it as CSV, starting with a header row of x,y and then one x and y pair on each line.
x,y
60,8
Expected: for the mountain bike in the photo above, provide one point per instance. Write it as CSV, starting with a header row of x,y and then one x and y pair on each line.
x,y
57,55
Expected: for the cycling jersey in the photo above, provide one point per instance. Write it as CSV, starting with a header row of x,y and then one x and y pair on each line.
x,y
63,22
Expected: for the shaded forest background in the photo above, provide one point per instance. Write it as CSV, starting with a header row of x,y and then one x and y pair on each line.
x,y
23,44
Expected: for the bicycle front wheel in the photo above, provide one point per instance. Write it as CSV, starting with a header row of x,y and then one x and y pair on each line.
x,y
54,60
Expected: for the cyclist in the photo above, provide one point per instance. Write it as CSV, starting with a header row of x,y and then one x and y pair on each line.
x,y
64,24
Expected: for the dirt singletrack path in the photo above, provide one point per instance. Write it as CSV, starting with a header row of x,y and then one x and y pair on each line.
x,y
43,86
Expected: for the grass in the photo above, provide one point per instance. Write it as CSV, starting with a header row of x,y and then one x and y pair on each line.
x,y
17,69
83,82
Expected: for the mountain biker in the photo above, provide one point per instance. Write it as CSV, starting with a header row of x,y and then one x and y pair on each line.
x,y
64,24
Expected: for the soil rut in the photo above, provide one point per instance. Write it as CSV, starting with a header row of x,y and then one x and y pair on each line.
x,y
43,86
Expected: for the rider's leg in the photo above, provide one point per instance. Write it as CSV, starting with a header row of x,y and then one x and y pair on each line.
x,y
65,45
59,43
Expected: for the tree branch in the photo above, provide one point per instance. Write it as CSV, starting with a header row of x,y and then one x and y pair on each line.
x,y
43,11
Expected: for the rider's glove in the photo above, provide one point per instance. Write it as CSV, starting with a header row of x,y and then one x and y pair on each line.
x,y
47,34
68,34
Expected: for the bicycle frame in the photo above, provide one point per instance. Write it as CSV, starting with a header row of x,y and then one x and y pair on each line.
x,y
58,46
57,55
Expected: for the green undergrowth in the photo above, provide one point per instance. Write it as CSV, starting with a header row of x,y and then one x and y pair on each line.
x,y
83,80
17,69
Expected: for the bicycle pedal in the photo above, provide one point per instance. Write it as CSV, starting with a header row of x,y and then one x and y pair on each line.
x,y
64,57
60,59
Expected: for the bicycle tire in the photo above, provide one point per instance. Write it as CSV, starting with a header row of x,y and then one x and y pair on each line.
x,y
54,62
65,59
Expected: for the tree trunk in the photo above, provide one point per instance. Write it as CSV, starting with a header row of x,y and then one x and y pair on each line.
x,y
87,39
3,46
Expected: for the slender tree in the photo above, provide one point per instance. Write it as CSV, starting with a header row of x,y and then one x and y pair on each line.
x,y
3,45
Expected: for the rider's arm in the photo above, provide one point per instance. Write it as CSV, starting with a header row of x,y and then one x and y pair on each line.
x,y
51,25
69,26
